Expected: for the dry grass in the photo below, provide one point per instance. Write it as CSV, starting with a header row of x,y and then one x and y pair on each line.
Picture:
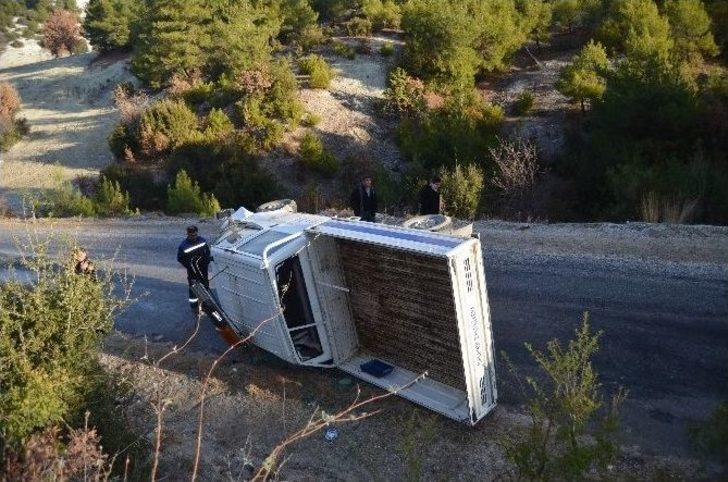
x,y
655,209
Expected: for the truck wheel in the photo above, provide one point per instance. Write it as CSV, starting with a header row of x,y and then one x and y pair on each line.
x,y
431,222
286,205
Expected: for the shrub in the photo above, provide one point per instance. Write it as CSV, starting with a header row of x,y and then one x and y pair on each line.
x,y
343,49
17,44
319,72
62,34
299,24
462,189
462,129
144,190
112,24
9,100
381,14
585,77
359,27
111,200
405,95
386,50
563,412
317,158
66,200
517,170
217,125
185,197
311,119
523,104
51,333
166,125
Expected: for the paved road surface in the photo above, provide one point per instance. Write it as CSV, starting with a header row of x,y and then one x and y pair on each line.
x,y
661,299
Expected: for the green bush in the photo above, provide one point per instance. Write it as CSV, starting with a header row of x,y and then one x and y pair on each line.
x,y
381,14
144,191
112,24
462,189
50,334
319,72
217,125
563,412
316,157
343,49
166,125
111,200
359,27
461,130
523,104
64,201
405,95
311,119
387,50
185,196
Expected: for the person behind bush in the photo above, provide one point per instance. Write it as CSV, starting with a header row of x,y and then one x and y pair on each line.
x,y
430,198
194,254
83,264
364,200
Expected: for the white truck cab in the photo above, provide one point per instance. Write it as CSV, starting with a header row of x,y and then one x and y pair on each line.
x,y
382,303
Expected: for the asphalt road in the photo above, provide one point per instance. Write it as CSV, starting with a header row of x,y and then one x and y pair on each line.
x,y
664,317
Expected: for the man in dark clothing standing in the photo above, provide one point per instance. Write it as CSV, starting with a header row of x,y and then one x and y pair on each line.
x,y
194,254
364,200
430,200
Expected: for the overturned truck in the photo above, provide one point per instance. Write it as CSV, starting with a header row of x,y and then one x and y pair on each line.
x,y
382,303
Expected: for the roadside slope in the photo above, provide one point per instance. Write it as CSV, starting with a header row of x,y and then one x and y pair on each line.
x,y
659,293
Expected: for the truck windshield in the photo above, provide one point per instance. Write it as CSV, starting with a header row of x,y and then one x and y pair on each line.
x,y
297,308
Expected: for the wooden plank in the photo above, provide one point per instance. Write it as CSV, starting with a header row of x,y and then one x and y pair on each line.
x,y
403,309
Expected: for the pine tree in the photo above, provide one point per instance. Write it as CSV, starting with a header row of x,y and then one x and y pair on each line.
x,y
690,28
109,24
583,79
174,40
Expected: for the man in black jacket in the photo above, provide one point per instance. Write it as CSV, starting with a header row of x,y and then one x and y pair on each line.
x,y
430,200
364,200
194,254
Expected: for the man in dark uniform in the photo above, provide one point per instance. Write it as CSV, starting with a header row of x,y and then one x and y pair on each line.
x,y
194,254
364,200
430,200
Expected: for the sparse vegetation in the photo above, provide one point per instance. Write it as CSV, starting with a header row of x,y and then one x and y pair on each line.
x,y
185,196
343,49
570,432
48,363
462,189
316,157
319,72
523,104
386,50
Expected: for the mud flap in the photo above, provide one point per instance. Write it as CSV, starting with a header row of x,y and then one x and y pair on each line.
x,y
227,329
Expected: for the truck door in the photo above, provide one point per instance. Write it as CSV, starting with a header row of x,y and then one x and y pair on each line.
x,y
297,311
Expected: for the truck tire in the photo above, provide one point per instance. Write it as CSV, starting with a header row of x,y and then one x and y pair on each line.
x,y
432,222
286,205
